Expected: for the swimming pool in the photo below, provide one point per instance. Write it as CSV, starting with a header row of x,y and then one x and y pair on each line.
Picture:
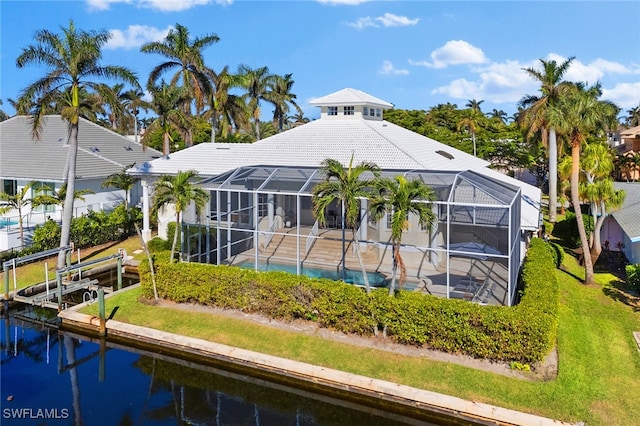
x,y
376,279
5,222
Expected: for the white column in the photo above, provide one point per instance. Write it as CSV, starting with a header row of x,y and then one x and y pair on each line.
x,y
364,221
146,229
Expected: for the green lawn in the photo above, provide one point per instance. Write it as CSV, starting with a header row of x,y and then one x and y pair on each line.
x,y
34,273
599,364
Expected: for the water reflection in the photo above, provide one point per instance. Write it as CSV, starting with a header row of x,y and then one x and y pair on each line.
x,y
54,377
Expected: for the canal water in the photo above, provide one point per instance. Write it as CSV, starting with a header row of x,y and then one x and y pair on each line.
x,y
51,377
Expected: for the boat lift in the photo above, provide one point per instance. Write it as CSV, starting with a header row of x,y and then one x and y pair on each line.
x,y
42,295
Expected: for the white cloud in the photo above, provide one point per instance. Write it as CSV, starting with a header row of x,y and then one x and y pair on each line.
x,y
135,36
625,95
161,5
391,20
103,4
497,82
389,69
363,23
454,52
172,5
386,20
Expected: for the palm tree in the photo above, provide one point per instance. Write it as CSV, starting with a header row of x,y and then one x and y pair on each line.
x,y
577,114
113,98
474,105
400,197
123,181
471,121
257,83
165,103
3,115
179,191
19,202
72,59
347,186
224,107
535,117
133,102
280,96
185,55
49,197
633,117
298,118
499,115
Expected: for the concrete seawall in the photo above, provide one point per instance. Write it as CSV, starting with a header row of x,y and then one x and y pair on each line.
x,y
415,403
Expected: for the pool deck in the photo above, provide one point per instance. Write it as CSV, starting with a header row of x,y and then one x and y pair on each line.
x,y
419,404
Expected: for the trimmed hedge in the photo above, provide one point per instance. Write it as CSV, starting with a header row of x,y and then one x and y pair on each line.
x,y
524,333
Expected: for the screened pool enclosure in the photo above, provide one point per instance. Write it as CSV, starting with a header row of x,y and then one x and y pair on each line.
x,y
261,217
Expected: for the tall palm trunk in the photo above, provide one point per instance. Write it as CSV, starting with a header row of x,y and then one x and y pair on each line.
x,y
553,175
575,199
175,237
67,209
356,246
596,248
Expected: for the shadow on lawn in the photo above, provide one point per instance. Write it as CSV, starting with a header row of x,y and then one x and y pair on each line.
x,y
621,292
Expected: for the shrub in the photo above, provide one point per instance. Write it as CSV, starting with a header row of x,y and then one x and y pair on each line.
x,y
633,275
524,333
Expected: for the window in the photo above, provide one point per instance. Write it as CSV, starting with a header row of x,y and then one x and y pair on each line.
x,y
378,112
10,187
388,223
263,202
332,110
365,111
349,110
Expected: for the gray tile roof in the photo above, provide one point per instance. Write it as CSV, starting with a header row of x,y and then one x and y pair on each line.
x,y
628,216
101,152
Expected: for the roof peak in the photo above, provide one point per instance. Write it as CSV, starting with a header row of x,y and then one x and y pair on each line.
x,y
350,96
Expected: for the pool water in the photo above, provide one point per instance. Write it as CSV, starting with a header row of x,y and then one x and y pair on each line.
x,y
5,223
376,279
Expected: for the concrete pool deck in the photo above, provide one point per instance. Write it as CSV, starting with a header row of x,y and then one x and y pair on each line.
x,y
418,404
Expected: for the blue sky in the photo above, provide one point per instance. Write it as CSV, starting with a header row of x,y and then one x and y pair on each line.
x,y
414,54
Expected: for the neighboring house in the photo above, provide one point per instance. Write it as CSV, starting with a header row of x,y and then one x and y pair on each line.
x,y
101,152
260,209
622,228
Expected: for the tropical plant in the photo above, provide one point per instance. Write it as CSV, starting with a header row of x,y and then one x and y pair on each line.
x,y
224,107
181,192
72,60
133,101
185,56
400,197
3,115
165,102
347,186
49,197
578,114
19,202
535,117
633,117
123,181
257,82
280,96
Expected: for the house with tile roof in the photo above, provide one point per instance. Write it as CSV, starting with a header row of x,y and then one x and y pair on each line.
x,y
260,210
621,228
23,159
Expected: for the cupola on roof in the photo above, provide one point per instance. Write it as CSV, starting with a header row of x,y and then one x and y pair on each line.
x,y
350,96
